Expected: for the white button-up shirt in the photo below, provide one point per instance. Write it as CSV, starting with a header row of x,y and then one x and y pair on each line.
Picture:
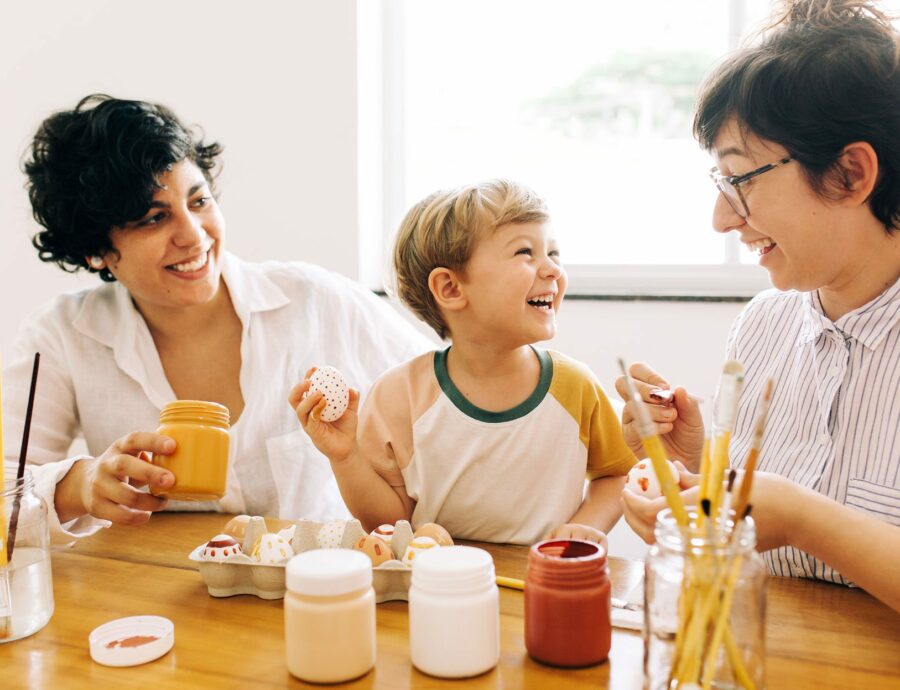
x,y
101,378
834,424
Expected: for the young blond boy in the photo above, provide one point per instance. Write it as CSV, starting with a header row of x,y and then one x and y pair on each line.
x,y
491,438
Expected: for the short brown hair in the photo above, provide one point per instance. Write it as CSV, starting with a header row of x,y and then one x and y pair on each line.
x,y
442,230
825,74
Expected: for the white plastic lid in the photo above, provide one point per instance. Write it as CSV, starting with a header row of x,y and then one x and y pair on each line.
x,y
328,572
453,569
131,641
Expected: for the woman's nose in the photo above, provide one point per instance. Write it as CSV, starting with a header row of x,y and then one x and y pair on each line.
x,y
189,230
725,218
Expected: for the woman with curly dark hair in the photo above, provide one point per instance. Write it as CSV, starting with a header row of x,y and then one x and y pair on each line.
x,y
804,127
123,189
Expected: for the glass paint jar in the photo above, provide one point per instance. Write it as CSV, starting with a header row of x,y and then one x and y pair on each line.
x,y
329,615
454,612
28,577
695,578
567,603
200,460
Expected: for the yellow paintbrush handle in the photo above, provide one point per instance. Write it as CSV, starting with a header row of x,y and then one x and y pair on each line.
x,y
657,454
510,582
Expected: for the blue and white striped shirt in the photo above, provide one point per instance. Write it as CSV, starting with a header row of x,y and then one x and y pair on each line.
x,y
834,424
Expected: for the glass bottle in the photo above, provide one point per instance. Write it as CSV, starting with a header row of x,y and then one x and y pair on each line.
x,y
28,572
704,607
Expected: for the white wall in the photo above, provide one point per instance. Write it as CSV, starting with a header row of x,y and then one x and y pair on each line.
x,y
277,86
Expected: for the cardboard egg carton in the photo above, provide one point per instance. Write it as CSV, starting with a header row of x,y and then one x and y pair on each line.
x,y
242,574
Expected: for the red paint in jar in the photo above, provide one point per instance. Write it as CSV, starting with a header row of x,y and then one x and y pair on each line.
x,y
567,603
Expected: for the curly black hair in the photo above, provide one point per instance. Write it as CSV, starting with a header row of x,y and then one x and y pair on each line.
x,y
96,167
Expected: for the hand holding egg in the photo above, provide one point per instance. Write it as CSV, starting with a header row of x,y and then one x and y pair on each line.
x,y
326,407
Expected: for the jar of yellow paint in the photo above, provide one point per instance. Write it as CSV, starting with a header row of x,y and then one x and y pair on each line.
x,y
200,460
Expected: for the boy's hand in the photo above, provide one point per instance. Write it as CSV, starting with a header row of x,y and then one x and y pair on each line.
x,y
336,439
574,530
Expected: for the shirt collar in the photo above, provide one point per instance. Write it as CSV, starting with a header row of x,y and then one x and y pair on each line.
x,y
108,315
869,324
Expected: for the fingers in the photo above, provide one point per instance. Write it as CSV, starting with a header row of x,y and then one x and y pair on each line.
x,y
120,468
686,479
105,509
687,407
353,405
297,392
138,441
640,514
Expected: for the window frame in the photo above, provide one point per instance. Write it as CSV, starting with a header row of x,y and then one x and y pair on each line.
x,y
382,176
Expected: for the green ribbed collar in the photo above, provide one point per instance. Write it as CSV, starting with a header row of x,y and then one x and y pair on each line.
x,y
470,410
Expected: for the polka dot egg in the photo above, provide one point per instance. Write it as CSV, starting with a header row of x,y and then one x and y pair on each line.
x,y
331,534
272,549
642,479
220,548
331,384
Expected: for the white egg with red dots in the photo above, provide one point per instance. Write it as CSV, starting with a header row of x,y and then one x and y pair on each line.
x,y
642,479
331,384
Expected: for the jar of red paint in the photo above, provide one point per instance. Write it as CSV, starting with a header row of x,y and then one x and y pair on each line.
x,y
567,603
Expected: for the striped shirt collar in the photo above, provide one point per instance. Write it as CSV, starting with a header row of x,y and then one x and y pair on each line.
x,y
869,324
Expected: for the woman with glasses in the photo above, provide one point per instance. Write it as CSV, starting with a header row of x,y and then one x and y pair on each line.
x,y
124,190
804,128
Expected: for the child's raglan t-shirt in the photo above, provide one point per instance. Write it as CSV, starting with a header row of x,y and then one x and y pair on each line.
x,y
507,477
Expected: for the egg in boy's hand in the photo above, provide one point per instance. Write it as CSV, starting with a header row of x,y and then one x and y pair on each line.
x,y
334,389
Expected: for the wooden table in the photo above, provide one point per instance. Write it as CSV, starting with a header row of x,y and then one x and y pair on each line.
x,y
819,635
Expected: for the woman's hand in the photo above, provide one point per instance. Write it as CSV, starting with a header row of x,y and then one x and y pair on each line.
x,y
337,439
574,530
678,421
640,513
107,486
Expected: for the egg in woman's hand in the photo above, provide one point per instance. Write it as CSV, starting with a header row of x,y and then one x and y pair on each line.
x,y
643,481
375,548
417,546
436,532
220,548
384,532
272,549
334,389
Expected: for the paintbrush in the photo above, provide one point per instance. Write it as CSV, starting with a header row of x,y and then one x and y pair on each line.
x,y
724,414
23,452
655,451
755,445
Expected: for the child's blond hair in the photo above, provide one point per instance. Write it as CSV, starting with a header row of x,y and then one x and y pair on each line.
x,y
442,230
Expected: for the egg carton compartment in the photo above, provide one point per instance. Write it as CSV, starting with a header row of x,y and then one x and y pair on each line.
x,y
239,573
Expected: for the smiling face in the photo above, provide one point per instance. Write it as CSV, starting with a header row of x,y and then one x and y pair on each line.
x,y
514,284
171,257
805,242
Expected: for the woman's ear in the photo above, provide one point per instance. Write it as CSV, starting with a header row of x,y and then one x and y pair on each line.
x,y
446,289
859,166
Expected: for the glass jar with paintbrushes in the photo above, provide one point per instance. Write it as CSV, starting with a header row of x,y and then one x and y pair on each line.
x,y
26,585
705,583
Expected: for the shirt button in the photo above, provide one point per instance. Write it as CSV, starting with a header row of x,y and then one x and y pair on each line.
x,y
797,571
835,371
823,439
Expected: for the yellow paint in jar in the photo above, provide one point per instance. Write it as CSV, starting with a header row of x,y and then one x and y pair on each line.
x,y
200,460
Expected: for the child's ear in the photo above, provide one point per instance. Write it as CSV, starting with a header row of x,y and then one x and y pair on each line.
x,y
446,289
859,165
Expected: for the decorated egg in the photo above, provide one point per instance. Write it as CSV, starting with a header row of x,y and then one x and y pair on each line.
x,y
642,479
375,548
384,532
331,534
272,549
417,546
331,384
436,532
220,548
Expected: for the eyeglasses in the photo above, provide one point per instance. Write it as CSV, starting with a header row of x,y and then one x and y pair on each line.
x,y
730,185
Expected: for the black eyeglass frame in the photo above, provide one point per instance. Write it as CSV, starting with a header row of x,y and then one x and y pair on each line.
x,y
737,180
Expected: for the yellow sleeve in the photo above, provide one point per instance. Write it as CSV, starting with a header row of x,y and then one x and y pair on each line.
x,y
578,390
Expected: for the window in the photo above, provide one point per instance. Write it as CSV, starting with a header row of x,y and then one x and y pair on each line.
x,y
587,102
